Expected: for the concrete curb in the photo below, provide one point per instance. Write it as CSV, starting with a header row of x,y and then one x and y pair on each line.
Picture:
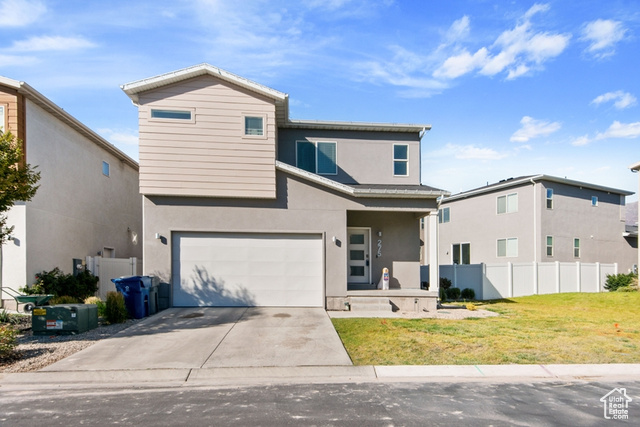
x,y
213,377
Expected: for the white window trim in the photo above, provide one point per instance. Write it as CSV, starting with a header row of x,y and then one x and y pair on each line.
x,y
546,246
441,218
506,203
315,144
182,110
108,169
264,126
506,248
393,156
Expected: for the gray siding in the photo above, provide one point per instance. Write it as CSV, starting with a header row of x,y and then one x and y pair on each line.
x,y
209,156
362,157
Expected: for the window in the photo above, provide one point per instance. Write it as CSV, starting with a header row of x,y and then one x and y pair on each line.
x,y
254,126
549,245
317,157
508,203
576,248
461,253
400,160
549,198
594,201
508,247
444,215
171,114
105,168
2,118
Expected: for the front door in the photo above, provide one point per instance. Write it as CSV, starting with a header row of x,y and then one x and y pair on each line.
x,y
358,254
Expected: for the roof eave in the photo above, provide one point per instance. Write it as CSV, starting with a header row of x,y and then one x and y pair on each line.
x,y
358,126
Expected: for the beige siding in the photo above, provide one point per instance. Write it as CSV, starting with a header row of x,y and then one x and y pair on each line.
x,y
210,155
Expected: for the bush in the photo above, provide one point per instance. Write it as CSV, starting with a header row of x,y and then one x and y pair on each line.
x,y
468,293
627,289
445,283
453,293
615,281
97,301
8,337
443,295
64,299
57,283
115,309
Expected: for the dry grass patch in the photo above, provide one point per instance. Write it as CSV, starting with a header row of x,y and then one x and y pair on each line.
x,y
563,328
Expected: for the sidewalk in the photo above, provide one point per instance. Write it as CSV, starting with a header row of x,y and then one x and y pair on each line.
x,y
247,376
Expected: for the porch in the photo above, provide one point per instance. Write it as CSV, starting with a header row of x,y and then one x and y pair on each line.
x,y
391,300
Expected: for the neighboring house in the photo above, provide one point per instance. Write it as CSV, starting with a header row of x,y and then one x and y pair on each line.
x,y
87,203
636,168
246,207
537,218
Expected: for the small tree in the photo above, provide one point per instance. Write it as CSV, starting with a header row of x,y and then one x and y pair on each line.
x,y
17,179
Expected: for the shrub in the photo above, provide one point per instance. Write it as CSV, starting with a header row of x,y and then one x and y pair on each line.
x,y
64,299
615,281
468,293
453,293
627,289
57,283
97,301
445,283
471,307
8,337
115,309
443,295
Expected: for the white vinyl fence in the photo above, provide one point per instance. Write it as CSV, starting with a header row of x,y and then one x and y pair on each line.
x,y
112,268
493,281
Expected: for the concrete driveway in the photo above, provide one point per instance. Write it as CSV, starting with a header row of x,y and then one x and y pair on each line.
x,y
211,337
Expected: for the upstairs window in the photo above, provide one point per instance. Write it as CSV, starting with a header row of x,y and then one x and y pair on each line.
x,y
400,160
594,201
461,253
508,203
549,245
254,126
319,157
105,169
444,215
576,248
172,114
549,198
508,247
3,113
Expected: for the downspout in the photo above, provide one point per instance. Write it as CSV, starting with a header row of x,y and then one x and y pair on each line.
x,y
535,230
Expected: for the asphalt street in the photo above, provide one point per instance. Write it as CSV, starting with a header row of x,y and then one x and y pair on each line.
x,y
573,403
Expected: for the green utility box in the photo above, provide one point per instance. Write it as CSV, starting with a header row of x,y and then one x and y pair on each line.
x,y
65,319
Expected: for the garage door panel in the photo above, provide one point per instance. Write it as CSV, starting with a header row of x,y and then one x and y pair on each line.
x,y
214,269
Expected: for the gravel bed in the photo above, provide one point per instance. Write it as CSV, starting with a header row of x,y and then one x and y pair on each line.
x,y
36,352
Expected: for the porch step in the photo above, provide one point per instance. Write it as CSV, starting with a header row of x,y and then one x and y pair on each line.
x,y
370,304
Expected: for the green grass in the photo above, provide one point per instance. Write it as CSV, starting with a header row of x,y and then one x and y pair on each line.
x,y
561,328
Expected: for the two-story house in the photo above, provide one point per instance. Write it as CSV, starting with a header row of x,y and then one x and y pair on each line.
x,y
538,218
87,203
245,207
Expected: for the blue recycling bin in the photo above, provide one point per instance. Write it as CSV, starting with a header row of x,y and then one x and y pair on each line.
x,y
135,290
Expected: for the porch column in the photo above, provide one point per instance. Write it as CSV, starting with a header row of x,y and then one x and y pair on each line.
x,y
434,265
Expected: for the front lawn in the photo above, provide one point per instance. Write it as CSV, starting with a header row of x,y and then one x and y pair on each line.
x,y
559,328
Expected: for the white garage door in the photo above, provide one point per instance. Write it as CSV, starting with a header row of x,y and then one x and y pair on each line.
x,y
247,269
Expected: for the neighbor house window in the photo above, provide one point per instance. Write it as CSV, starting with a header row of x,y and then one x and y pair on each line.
x,y
172,114
254,126
508,247
400,160
549,245
105,168
461,253
594,201
3,113
319,157
549,198
508,203
444,215
576,248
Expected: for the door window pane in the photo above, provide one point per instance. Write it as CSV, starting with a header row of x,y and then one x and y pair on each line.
x,y
357,270
356,239
356,255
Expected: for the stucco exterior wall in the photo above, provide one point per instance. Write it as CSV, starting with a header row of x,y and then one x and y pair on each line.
x,y
77,211
362,157
301,207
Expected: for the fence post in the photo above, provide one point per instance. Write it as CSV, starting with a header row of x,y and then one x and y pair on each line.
x,y
510,280
536,287
484,279
557,277
455,275
579,276
134,267
598,277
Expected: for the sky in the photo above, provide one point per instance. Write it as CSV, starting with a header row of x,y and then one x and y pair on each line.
x,y
510,88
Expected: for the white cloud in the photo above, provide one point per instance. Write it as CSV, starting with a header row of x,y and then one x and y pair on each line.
x,y
458,30
20,13
622,99
468,152
581,140
456,66
621,130
119,136
13,60
602,35
532,128
49,43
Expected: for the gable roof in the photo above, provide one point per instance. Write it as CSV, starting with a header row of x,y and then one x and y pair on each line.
x,y
281,100
514,182
50,107
366,190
